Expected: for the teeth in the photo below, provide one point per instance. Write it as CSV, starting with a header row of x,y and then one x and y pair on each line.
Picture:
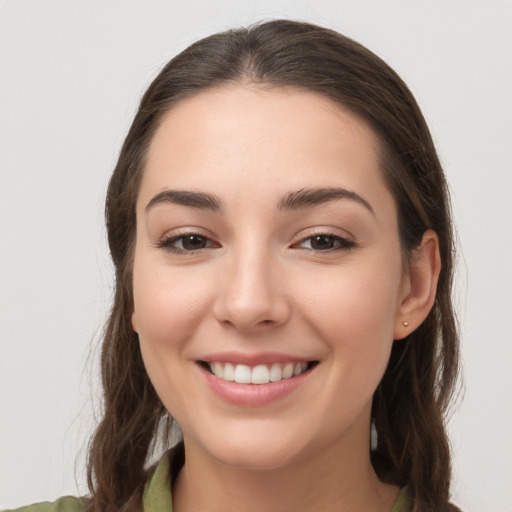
x,y
288,371
275,372
259,374
299,368
218,370
242,374
229,372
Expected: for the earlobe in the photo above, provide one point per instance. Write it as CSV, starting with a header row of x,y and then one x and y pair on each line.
x,y
134,322
424,269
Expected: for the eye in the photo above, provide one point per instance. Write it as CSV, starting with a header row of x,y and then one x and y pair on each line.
x,y
324,242
186,243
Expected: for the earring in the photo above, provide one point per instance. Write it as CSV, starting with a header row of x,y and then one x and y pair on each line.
x,y
374,437
405,323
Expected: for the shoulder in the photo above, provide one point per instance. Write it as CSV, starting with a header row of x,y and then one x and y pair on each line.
x,y
404,503
156,496
64,504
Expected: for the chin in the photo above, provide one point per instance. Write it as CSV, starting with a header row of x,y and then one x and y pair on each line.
x,y
260,458
253,449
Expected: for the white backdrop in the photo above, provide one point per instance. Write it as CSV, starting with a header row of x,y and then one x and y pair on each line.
x,y
71,73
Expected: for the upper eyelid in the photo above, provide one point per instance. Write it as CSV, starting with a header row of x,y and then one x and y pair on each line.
x,y
186,231
324,230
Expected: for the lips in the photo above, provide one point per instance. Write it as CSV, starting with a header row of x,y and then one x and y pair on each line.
x,y
254,380
258,374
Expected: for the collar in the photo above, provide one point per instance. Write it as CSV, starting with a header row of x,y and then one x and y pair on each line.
x,y
157,491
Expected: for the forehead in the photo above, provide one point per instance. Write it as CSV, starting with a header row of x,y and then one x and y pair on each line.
x,y
238,138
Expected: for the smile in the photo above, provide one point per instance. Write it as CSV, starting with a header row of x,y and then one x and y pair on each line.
x,y
257,380
259,374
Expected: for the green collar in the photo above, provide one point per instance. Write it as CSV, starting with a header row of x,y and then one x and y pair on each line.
x,y
157,491
402,503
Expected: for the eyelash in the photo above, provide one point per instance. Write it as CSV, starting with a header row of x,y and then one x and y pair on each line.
x,y
340,243
167,243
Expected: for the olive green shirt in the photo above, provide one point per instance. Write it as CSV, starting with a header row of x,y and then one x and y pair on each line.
x,y
157,495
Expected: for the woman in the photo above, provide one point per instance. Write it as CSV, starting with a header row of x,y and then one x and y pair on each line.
x,y
279,223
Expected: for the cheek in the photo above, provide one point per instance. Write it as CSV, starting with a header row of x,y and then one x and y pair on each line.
x,y
354,299
167,305
168,308
354,313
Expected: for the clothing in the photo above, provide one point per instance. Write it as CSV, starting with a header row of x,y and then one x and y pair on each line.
x,y
157,492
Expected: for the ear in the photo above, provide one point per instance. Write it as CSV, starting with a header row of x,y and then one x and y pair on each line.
x,y
135,323
419,286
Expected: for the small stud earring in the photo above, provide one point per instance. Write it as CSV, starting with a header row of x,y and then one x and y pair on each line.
x,y
406,324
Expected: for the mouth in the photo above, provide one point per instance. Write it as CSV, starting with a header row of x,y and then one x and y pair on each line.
x,y
257,374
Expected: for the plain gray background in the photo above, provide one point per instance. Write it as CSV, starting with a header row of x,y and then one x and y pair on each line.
x,y
71,73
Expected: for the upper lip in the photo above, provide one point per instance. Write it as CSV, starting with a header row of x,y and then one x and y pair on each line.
x,y
253,359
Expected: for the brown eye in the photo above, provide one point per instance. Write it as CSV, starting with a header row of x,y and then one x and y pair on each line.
x,y
187,243
322,242
192,242
325,243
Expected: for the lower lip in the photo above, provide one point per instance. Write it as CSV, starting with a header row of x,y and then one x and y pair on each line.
x,y
253,394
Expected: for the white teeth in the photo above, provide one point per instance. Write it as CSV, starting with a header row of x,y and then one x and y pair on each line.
x,y
299,368
242,374
259,374
229,372
217,370
275,372
288,371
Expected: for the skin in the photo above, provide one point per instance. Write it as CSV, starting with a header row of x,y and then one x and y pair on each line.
x,y
257,286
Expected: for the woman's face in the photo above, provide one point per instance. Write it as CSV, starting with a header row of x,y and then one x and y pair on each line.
x,y
267,245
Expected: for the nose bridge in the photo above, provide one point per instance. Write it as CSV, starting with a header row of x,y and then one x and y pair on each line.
x,y
251,295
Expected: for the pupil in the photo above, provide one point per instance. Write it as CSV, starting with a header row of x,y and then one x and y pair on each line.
x,y
194,242
322,242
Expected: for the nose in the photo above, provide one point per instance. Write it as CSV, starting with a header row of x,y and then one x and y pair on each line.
x,y
251,297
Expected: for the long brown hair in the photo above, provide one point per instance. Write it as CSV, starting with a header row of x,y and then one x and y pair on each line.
x,y
411,402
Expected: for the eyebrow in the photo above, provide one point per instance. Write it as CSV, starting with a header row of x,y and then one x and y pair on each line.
x,y
199,200
303,198
308,197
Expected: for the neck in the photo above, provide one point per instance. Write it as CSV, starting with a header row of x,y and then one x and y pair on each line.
x,y
340,479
